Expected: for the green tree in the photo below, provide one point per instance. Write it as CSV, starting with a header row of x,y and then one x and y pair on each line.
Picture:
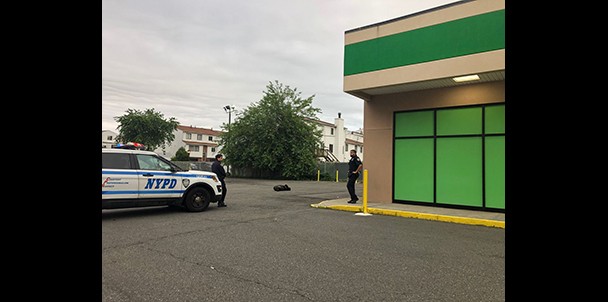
x,y
147,127
275,135
181,155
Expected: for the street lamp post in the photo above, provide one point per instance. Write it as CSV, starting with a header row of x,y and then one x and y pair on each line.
x,y
229,109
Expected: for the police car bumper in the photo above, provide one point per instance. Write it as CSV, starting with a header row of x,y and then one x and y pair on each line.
x,y
218,196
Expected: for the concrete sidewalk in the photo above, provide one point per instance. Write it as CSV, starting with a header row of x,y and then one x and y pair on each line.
x,y
490,219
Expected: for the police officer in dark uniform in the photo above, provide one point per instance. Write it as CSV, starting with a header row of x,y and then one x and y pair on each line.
x,y
354,167
217,168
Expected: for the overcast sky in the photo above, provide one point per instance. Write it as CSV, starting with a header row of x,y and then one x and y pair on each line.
x,y
189,58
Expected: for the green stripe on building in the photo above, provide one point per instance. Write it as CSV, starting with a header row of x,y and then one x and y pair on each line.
x,y
471,35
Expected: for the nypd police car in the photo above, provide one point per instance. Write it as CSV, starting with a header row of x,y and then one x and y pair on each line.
x,y
131,177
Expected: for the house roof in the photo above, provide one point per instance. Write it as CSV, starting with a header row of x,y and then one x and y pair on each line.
x,y
320,122
199,143
353,142
195,130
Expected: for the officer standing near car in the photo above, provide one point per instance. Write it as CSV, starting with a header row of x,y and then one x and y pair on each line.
x,y
217,168
354,167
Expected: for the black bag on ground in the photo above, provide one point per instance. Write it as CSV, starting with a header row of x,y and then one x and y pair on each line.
x,y
284,187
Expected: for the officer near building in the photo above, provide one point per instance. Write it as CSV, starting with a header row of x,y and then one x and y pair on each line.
x,y
354,167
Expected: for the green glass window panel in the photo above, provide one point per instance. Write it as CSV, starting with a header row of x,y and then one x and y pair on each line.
x,y
416,123
495,119
459,121
413,179
459,171
495,172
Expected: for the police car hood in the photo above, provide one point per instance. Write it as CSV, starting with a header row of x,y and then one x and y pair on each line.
x,y
199,172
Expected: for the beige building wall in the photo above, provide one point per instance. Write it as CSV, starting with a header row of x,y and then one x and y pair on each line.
x,y
378,124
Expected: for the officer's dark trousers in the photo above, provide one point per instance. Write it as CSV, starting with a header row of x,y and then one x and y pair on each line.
x,y
223,190
350,185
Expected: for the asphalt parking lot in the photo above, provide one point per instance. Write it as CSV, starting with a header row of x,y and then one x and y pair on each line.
x,y
273,246
333,195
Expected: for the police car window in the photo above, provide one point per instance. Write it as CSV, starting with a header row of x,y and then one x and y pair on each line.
x,y
115,161
151,162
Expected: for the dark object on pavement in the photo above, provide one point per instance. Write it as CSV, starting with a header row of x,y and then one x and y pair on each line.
x,y
282,188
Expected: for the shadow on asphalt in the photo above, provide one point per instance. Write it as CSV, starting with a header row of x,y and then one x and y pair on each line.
x,y
141,211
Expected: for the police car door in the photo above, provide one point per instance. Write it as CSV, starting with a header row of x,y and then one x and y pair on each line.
x,y
156,178
119,179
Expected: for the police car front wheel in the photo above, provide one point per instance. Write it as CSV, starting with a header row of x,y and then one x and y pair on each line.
x,y
197,200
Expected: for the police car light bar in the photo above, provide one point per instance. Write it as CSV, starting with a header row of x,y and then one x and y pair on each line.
x,y
130,145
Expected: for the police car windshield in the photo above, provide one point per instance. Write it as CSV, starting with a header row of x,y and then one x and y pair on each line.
x,y
156,162
173,166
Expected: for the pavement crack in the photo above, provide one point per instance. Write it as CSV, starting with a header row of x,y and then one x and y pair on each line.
x,y
224,271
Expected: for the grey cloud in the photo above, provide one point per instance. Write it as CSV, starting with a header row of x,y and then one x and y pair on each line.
x,y
189,58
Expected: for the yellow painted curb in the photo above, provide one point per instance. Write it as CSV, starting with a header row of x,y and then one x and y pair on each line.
x,y
436,217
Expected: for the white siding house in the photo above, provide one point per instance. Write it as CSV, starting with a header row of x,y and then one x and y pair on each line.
x,y
201,143
108,139
338,140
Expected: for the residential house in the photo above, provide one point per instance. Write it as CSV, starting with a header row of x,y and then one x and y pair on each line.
x,y
108,139
201,143
338,141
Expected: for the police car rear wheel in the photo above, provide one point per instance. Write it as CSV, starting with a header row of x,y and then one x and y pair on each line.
x,y
197,200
